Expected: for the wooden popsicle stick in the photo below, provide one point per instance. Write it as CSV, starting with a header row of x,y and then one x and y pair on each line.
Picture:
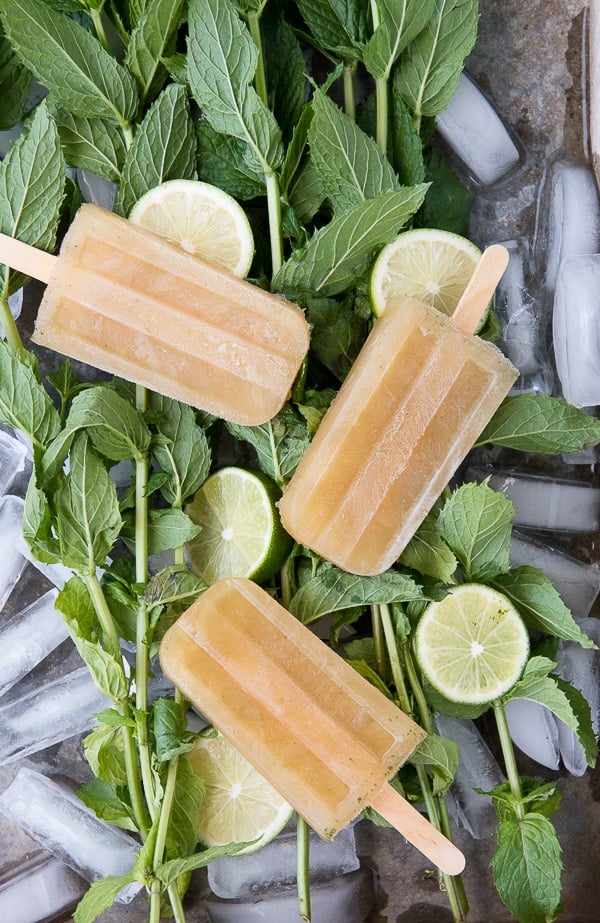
x,y
482,284
25,258
418,831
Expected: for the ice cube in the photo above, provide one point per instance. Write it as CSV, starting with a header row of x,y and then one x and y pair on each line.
x,y
534,730
96,189
545,503
58,820
576,331
477,768
49,714
518,310
40,889
12,460
28,637
568,219
580,667
274,866
577,583
11,545
473,129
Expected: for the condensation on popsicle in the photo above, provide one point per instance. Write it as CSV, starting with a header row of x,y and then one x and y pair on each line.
x,y
124,300
416,399
322,735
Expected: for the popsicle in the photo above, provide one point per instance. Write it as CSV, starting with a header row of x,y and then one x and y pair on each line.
x,y
124,300
420,392
320,733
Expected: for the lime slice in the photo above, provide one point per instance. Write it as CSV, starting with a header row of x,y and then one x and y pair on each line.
x,y
202,219
433,266
241,535
239,805
472,646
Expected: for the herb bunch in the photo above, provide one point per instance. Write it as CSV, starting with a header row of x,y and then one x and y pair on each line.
x,y
318,115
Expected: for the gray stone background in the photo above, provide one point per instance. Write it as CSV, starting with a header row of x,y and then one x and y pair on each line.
x,y
528,59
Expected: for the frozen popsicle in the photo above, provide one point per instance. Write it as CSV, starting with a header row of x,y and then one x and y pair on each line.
x,y
420,392
124,300
322,735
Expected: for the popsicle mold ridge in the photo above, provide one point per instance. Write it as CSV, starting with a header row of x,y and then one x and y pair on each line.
x,y
126,301
322,735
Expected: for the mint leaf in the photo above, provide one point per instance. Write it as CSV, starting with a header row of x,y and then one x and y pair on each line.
x,y
582,711
32,187
172,870
99,897
190,790
540,604
430,67
369,673
101,798
169,529
104,753
15,81
279,444
527,868
87,520
428,553
83,78
286,72
92,144
440,756
170,727
24,403
222,162
338,254
349,163
337,335
406,146
37,525
447,204
183,452
163,148
539,423
399,22
537,685
222,59
337,25
152,39
476,524
333,589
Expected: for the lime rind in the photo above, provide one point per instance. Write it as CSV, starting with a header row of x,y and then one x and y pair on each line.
x,y
472,646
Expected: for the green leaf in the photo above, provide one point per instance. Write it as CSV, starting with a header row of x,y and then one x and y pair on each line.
x,y
185,454
447,204
104,752
527,868
337,333
406,146
332,589
339,253
24,403
170,727
349,163
163,148
222,162
400,21
101,798
88,519
536,685
540,604
536,797
222,59
428,553
369,673
286,72
582,711
169,529
279,444
83,78
539,423
440,756
153,39
173,585
33,172
190,791
15,81
476,524
99,897
92,144
170,871
429,69
337,25
37,525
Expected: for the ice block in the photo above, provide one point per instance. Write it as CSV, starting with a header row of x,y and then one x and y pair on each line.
x,y
124,300
419,394
322,735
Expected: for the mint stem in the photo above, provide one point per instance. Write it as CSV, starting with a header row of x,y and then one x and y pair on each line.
x,y
350,90
381,130
302,868
96,17
508,754
131,764
9,327
260,79
378,642
274,211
